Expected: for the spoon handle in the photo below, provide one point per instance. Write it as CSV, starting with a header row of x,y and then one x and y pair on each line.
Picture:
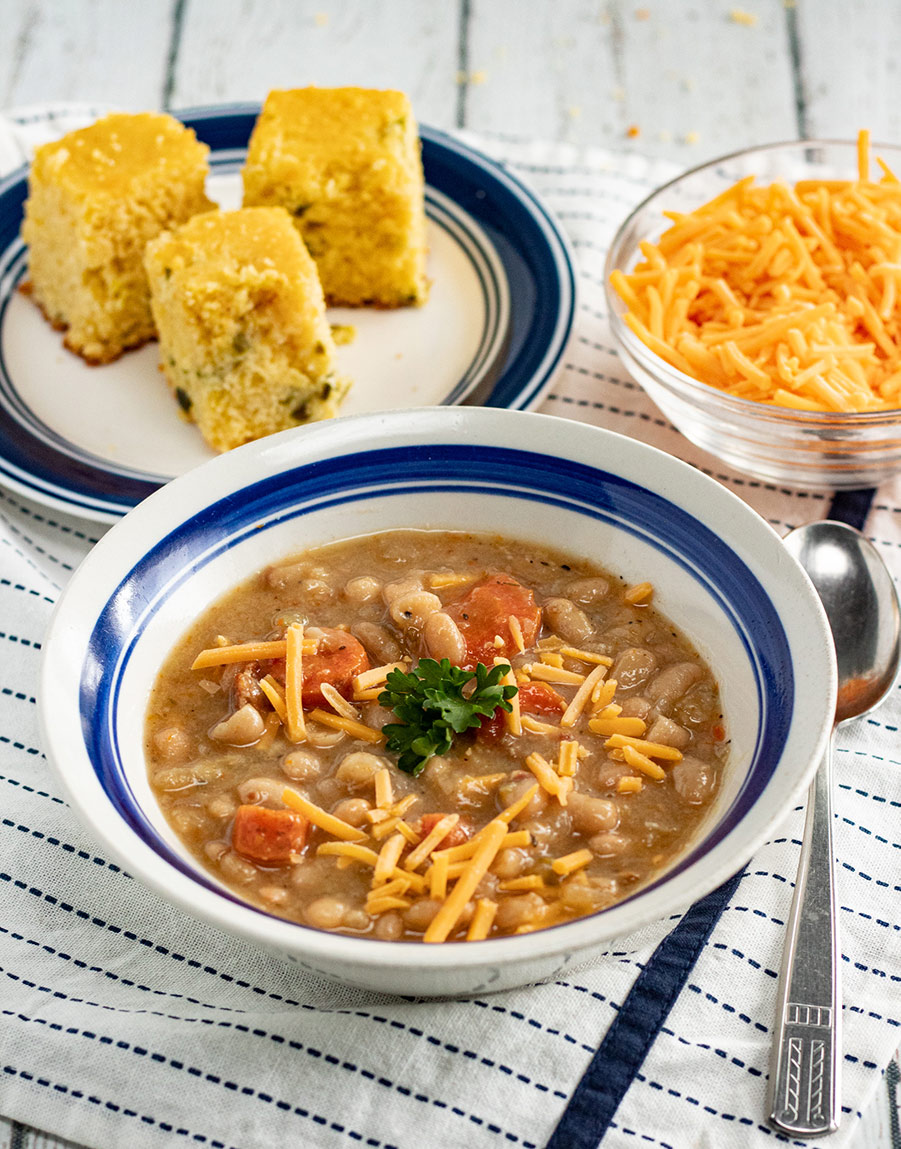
x,y
804,1078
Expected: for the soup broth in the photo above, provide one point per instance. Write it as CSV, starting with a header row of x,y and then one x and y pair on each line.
x,y
278,728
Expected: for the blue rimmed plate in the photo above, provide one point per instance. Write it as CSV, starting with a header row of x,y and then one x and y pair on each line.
x,y
96,441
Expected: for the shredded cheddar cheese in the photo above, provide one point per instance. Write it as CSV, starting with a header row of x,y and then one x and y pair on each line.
x,y
780,294
583,694
571,862
321,818
568,758
434,838
376,676
651,749
639,595
449,913
337,702
275,693
380,905
545,673
512,717
643,763
604,724
535,727
603,694
526,882
384,793
348,725
482,920
586,655
245,652
438,875
389,856
350,850
294,720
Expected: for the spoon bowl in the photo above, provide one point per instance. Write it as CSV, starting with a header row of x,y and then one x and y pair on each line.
x,y
861,604
859,598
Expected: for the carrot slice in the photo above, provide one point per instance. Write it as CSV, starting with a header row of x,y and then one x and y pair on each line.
x,y
534,698
337,661
483,618
270,837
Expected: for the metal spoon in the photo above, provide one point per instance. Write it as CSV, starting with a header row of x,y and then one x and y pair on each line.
x,y
861,604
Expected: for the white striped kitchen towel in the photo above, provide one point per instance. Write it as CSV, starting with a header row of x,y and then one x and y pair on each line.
x,y
126,1023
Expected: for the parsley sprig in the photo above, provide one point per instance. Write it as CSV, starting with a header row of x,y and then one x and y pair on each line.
x,y
434,702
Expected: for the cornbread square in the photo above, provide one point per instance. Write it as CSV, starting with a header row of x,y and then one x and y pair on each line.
x,y
244,341
95,197
345,162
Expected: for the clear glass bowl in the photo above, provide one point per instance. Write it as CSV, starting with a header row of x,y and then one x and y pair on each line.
x,y
810,450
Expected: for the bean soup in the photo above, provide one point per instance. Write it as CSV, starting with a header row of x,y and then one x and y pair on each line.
x,y
432,736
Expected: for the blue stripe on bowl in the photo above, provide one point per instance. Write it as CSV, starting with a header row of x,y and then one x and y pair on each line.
x,y
519,363
445,467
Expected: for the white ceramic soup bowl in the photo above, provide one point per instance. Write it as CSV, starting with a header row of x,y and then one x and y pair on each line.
x,y
720,574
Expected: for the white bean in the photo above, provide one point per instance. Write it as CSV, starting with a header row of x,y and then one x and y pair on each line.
x,y
607,845
518,911
358,769
242,728
565,618
301,766
321,737
256,790
356,919
668,733
510,863
378,640
325,913
236,868
172,744
419,915
443,638
214,850
671,683
693,779
291,574
352,811
362,590
400,587
632,666
413,609
388,926
274,895
317,591
221,807
591,815
514,788
588,590
635,707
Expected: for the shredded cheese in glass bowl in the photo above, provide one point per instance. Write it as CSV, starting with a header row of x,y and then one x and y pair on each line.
x,y
756,300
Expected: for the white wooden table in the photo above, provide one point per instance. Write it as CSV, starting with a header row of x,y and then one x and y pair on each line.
x,y
679,79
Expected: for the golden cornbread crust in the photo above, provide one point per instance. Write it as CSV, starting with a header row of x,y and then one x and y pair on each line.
x,y
345,163
244,339
95,197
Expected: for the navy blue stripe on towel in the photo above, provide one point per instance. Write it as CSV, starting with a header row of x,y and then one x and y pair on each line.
x,y
851,507
635,1027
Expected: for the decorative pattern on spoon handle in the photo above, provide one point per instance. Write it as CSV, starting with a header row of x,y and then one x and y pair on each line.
x,y
804,1076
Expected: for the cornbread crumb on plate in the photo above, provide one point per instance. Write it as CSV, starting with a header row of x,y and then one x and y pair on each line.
x,y
345,162
244,339
96,197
